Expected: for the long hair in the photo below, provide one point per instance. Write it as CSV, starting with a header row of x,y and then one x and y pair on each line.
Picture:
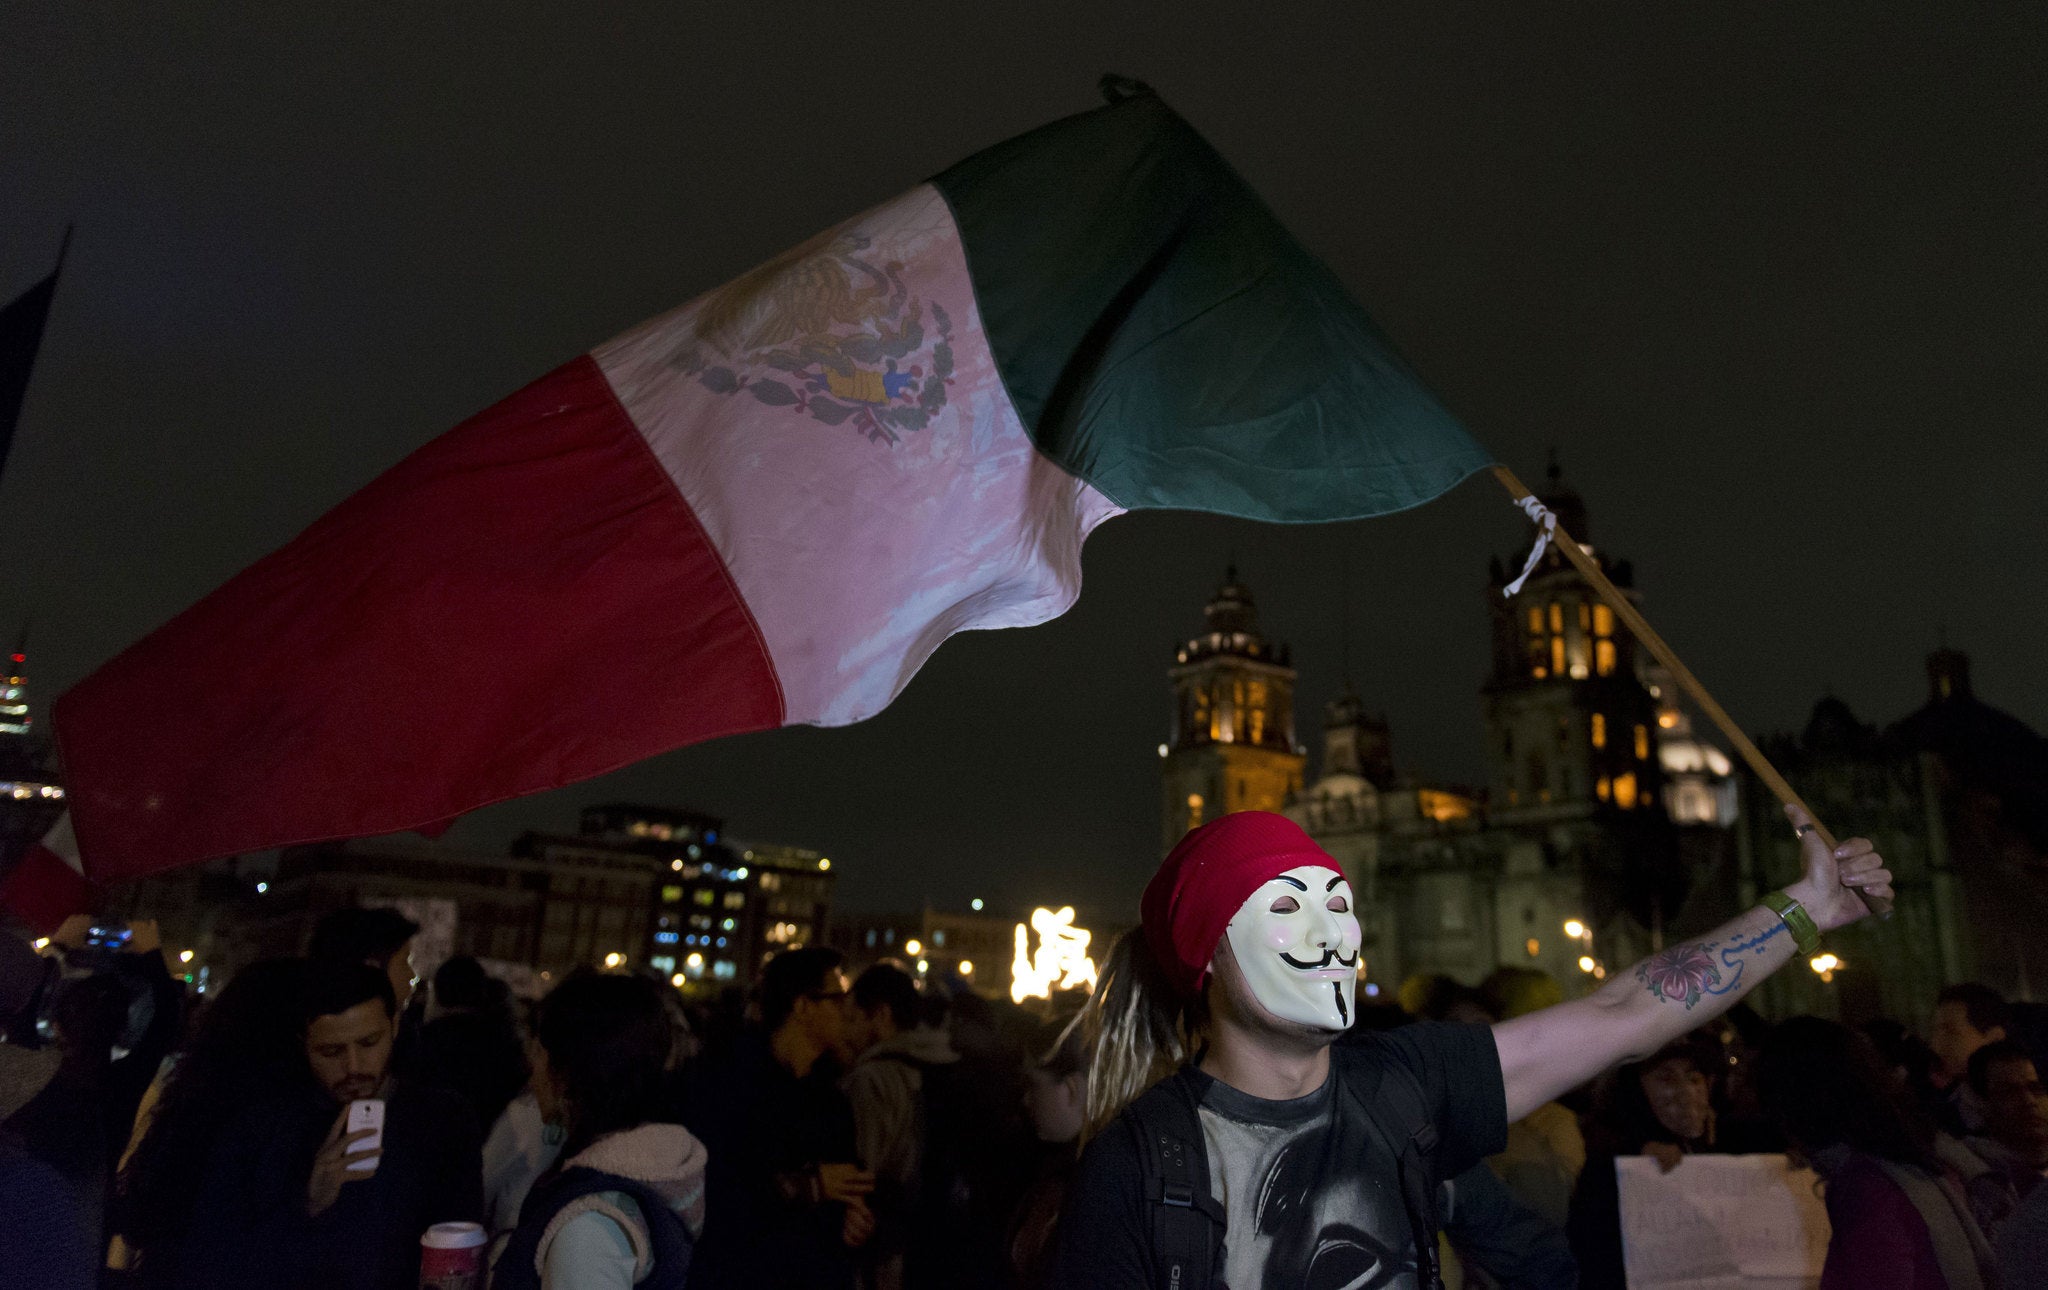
x,y
1824,1085
247,1047
607,1041
1134,1031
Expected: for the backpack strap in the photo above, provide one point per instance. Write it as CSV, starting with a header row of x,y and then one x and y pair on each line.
x,y
1394,1105
1187,1224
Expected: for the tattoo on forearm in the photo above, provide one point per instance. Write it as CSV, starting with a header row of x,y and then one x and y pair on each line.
x,y
1685,974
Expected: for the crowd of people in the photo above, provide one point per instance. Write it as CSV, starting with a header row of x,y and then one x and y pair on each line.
x,y
1201,1120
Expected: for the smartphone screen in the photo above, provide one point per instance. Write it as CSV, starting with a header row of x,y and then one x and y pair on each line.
x,y
365,1113
111,938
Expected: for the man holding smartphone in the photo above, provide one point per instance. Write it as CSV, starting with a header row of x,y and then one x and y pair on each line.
x,y
332,1185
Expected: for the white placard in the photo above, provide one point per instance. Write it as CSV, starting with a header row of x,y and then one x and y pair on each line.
x,y
1721,1223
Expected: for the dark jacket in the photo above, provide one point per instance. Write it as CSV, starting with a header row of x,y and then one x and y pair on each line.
x,y
43,1241
475,1055
250,1229
767,1131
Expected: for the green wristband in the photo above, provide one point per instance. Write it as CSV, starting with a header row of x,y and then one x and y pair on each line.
x,y
1804,932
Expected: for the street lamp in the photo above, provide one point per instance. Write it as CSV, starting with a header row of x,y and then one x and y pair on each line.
x,y
185,956
613,959
1586,963
966,967
913,948
1574,929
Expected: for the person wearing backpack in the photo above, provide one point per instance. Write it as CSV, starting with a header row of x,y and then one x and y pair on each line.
x,y
1229,1146
898,1062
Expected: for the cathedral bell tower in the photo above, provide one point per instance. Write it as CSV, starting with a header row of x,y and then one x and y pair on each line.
x,y
1232,745
1571,723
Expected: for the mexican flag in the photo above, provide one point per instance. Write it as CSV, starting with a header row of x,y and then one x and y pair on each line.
x,y
770,505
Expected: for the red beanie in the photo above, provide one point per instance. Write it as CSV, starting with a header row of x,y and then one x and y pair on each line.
x,y
1205,880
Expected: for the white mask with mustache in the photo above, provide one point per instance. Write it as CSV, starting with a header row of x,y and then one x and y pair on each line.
x,y
1296,941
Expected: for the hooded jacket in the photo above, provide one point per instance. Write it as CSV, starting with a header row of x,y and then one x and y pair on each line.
x,y
883,1087
624,1212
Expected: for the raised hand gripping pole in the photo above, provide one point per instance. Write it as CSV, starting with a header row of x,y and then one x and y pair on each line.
x,y
1624,609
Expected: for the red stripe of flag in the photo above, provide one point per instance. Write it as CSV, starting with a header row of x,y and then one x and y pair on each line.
x,y
523,603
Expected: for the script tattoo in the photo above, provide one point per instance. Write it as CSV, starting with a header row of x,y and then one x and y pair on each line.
x,y
1685,974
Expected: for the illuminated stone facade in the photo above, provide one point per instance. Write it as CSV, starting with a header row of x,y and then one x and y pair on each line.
x,y
1232,746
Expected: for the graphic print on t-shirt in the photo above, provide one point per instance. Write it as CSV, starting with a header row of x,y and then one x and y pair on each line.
x,y
1308,1193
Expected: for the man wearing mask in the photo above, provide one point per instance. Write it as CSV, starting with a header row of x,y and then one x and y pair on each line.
x,y
291,1197
1266,1161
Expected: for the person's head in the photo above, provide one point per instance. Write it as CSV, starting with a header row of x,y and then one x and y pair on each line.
x,y
461,984
88,1015
601,1049
381,938
1679,1092
804,993
1248,912
1824,1086
1966,1017
1056,1082
885,1004
2015,1102
348,1012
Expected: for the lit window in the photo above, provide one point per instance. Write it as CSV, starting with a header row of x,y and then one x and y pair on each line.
x,y
1194,811
662,963
871,938
1535,619
1556,617
1625,791
703,895
1603,657
1667,719
1534,947
1604,789
1599,730
666,938
1557,653
1585,616
1603,621
727,924
735,899
939,938
671,894
1642,743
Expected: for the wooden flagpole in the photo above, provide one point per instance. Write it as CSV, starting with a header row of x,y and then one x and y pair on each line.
x,y
1624,609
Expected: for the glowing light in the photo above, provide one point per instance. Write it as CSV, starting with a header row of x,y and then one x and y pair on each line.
x,y
966,967
1586,963
741,872
1162,750
185,956
1574,928
974,904
1826,965
676,865
1061,959
1372,991
1534,947
913,948
694,961
823,864
678,979
923,966
42,943
613,959
262,887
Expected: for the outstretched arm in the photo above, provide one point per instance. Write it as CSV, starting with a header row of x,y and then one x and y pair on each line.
x,y
1675,990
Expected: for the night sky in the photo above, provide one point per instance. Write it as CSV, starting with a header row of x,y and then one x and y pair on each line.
x,y
1773,279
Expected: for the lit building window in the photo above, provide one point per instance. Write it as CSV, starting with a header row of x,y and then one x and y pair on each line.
x,y
735,899
1642,743
1604,788
1535,620
1603,621
671,894
1556,617
1625,791
1557,653
703,895
1534,947
1585,616
1603,657
1599,730
1194,811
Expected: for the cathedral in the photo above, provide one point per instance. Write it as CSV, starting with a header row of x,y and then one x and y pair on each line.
x,y
1606,826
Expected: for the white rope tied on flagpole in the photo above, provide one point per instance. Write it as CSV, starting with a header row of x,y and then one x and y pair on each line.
x,y
1546,525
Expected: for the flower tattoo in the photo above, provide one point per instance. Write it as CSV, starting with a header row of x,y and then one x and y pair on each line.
x,y
1680,974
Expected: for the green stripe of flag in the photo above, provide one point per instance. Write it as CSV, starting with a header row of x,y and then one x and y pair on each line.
x,y
1164,338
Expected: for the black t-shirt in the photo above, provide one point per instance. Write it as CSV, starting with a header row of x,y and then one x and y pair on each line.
x,y
1309,1189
